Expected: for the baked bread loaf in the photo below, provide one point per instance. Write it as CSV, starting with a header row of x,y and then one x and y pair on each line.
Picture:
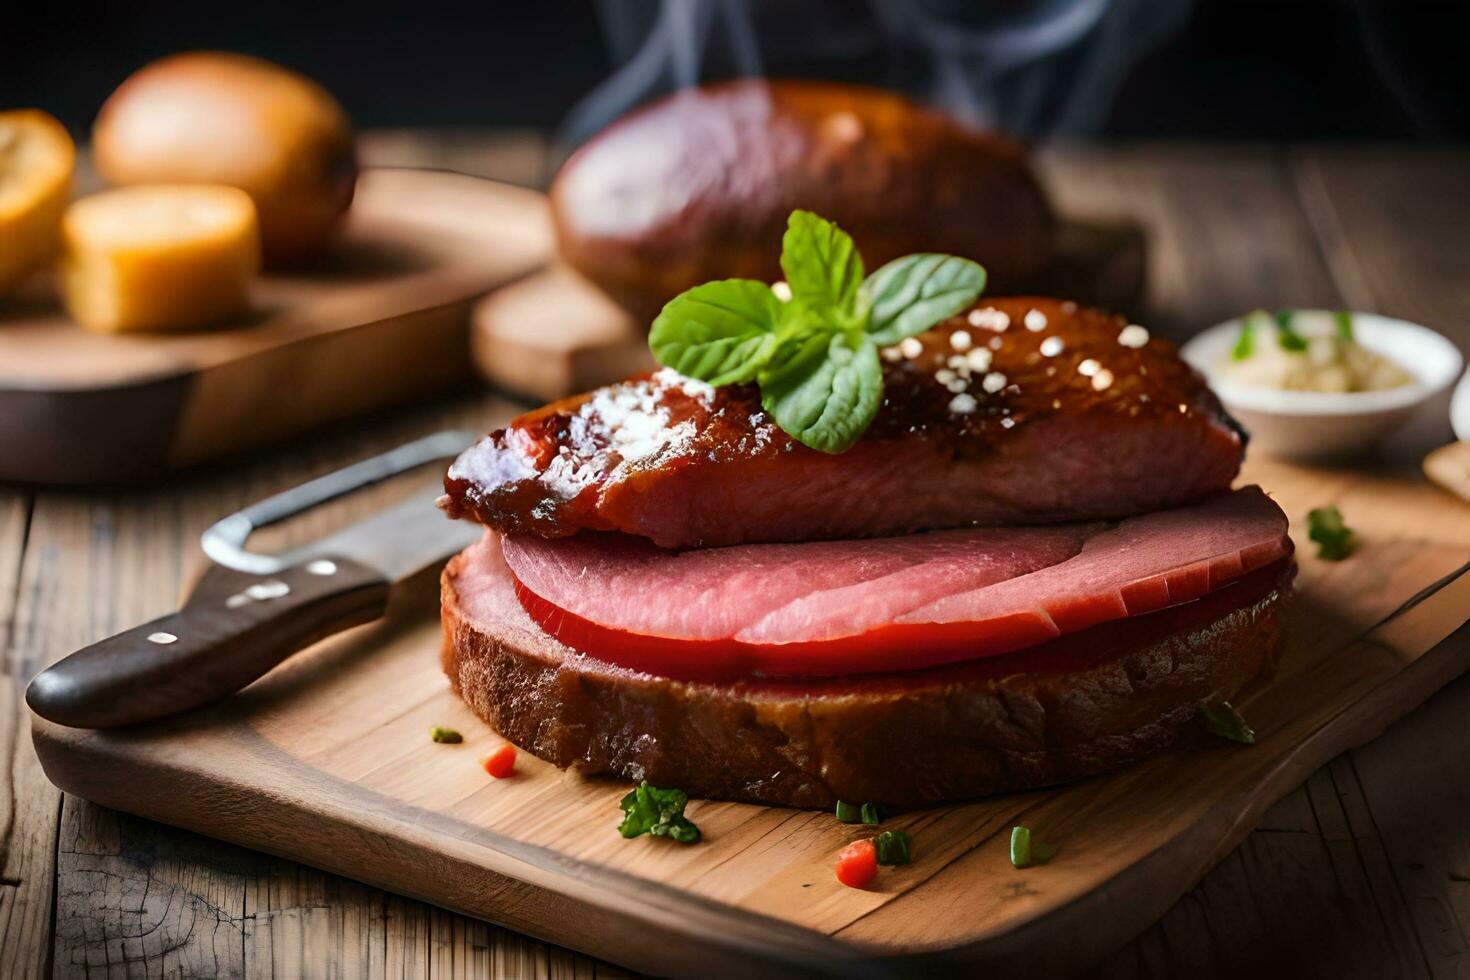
x,y
1074,707
698,186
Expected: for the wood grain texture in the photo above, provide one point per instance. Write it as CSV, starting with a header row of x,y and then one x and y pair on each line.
x,y
326,761
1306,876
384,320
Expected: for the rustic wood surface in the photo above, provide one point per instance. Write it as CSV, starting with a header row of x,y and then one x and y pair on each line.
x,y
1366,866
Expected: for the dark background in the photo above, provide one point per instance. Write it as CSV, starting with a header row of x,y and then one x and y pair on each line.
x,y
1313,69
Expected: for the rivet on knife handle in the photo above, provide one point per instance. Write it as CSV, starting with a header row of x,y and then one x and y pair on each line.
x,y
234,628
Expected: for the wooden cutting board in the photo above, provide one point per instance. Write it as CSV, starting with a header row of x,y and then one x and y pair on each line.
x,y
385,319
328,761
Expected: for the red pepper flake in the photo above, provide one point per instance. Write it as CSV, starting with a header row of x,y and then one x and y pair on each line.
x,y
857,863
501,762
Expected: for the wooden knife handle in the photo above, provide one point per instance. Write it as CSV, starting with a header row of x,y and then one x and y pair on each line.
x,y
232,630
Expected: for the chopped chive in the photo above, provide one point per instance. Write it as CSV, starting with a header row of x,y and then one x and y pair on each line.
x,y
444,735
1245,344
1334,538
1344,321
1285,335
1221,718
854,813
892,847
1026,850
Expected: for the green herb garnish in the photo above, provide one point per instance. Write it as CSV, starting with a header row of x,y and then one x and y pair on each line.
x,y
892,847
660,812
1344,321
445,735
1221,718
1334,538
815,357
1286,336
867,813
1245,344
1026,851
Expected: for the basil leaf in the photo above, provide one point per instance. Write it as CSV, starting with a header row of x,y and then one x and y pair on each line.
x,y
822,266
659,812
912,294
824,392
1344,321
722,332
1334,538
1221,718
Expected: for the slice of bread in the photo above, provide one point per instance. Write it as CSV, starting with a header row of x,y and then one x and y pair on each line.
x,y
1078,706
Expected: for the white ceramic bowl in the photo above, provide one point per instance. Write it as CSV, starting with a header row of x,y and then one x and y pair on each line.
x,y
1320,425
1460,410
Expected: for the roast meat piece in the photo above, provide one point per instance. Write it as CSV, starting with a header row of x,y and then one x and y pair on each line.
x,y
698,186
1022,411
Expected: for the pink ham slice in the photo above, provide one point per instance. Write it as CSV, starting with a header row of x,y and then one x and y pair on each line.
x,y
914,601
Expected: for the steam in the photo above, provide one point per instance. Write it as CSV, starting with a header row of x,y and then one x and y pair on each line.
x,y
669,58
1036,68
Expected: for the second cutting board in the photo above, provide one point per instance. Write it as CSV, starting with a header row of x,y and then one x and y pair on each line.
x,y
384,320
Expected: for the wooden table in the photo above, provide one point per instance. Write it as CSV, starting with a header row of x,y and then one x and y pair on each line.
x,y
1362,872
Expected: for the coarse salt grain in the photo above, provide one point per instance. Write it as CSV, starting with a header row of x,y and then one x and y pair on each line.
x,y
1052,346
944,376
990,319
958,384
1007,423
963,404
1133,335
1035,321
978,359
961,340
911,347
993,382
1088,368
782,290
892,354
1102,380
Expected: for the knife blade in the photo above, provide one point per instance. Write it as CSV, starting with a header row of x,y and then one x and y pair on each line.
x,y
236,625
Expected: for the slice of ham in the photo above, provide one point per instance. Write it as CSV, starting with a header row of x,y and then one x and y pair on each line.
x,y
846,607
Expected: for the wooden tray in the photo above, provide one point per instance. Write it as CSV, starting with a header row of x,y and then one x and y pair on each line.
x,y
385,320
327,761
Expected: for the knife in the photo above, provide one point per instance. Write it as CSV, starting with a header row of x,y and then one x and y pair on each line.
x,y
251,611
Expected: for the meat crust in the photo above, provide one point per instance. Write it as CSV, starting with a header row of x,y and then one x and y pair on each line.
x,y
1071,708
698,186
1028,411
